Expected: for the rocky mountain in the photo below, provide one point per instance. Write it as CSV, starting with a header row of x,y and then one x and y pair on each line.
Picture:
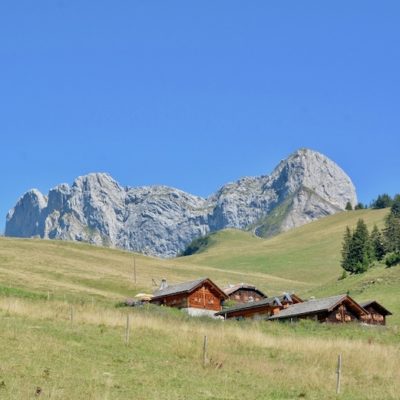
x,y
162,221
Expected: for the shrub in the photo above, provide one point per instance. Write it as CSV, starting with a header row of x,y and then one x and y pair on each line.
x,y
392,259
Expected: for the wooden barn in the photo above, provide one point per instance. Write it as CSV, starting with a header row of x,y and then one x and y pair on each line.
x,y
259,309
199,297
377,313
243,293
335,309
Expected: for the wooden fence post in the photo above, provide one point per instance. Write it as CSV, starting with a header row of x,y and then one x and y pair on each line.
x,y
127,328
205,351
338,373
71,314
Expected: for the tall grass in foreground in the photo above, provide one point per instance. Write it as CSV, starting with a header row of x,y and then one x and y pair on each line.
x,y
88,358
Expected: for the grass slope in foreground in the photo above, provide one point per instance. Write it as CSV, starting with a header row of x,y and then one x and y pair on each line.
x,y
88,358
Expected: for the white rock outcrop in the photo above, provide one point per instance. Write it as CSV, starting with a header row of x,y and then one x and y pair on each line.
x,y
162,221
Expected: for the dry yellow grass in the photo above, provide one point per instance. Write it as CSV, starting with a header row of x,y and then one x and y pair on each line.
x,y
282,366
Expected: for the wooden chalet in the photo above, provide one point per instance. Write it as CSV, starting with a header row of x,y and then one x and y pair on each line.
x,y
199,297
259,309
243,293
335,309
377,313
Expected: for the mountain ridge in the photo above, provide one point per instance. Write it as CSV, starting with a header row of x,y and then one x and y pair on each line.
x,y
161,221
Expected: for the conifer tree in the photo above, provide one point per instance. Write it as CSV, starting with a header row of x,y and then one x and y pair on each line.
x,y
392,233
346,262
377,243
348,207
382,201
357,250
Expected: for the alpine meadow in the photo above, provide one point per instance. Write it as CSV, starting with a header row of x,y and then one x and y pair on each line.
x,y
199,200
71,342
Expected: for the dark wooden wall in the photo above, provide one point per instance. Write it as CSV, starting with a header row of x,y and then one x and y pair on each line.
x,y
245,295
262,311
375,317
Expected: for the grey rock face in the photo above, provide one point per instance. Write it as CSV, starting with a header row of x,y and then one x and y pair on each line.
x,y
162,221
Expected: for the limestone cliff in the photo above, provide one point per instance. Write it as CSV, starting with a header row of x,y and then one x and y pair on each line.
x,y
162,221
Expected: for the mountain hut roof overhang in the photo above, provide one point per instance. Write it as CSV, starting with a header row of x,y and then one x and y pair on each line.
x,y
377,306
317,306
187,288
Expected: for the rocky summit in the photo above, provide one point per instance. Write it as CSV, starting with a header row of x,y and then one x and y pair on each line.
x,y
162,221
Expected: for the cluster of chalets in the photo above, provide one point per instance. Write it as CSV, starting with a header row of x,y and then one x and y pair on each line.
x,y
244,301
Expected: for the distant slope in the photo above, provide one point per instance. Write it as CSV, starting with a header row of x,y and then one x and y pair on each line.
x,y
34,267
309,254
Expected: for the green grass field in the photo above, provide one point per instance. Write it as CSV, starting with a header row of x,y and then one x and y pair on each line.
x,y
45,355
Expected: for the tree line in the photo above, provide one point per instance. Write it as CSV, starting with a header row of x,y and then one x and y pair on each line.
x,y
382,201
361,248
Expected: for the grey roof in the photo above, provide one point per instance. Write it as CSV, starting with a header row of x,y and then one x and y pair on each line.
x,y
311,307
181,288
383,310
255,304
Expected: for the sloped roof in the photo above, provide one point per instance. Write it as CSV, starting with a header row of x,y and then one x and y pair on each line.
x,y
315,306
185,287
379,307
234,288
252,304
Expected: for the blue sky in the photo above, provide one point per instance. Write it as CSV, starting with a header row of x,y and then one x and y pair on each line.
x,y
194,94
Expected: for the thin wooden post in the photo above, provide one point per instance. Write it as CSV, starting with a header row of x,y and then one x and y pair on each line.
x,y
205,351
338,373
71,314
127,328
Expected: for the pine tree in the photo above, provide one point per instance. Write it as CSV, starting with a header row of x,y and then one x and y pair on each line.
x,y
348,207
377,243
382,201
357,250
392,233
346,262
395,209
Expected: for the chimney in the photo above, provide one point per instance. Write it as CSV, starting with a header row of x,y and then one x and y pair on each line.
x,y
163,284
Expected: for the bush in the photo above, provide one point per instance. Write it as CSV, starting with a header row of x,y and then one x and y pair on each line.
x,y
392,259
196,246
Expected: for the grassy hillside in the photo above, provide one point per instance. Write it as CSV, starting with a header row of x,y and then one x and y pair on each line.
x,y
43,282
308,255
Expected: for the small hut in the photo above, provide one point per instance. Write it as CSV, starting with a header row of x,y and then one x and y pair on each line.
x,y
244,293
377,313
199,297
335,309
259,309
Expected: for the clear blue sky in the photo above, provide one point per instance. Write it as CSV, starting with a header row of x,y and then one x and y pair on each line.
x,y
194,94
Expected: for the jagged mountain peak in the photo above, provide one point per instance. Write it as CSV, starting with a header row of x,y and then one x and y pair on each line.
x,y
162,221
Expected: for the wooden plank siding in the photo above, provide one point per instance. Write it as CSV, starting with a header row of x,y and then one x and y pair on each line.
x,y
246,295
376,318
178,300
205,298
201,294
254,313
